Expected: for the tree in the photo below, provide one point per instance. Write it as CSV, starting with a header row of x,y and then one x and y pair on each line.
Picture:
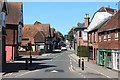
x,y
70,36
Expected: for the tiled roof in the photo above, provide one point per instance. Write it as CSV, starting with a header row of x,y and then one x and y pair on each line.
x,y
39,37
43,27
13,16
29,31
81,26
112,24
106,9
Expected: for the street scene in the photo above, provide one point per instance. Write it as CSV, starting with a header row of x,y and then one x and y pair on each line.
x,y
58,40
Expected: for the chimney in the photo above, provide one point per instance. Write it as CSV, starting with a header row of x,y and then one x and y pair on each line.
x,y
86,20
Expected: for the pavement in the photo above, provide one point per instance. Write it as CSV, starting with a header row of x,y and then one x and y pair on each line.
x,y
93,68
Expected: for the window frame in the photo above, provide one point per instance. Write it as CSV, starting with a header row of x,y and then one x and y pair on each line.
x,y
105,36
116,35
109,36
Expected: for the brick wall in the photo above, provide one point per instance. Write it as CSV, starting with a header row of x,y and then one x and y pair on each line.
x,y
12,35
109,44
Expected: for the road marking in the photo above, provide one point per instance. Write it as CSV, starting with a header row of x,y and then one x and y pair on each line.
x,y
26,73
23,74
54,71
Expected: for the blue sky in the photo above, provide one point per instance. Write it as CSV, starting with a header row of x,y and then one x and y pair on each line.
x,y
61,15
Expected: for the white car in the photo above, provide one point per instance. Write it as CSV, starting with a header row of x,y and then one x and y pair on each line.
x,y
63,48
57,50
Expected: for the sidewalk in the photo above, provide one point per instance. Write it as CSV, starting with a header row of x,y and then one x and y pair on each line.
x,y
94,68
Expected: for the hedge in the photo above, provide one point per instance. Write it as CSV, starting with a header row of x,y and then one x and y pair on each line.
x,y
82,51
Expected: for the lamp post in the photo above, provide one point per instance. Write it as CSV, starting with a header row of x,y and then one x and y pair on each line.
x,y
30,47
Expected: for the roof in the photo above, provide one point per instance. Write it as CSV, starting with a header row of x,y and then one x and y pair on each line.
x,y
107,9
3,6
80,27
112,23
43,27
14,9
100,17
29,31
39,37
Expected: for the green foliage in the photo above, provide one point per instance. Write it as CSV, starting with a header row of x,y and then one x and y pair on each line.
x,y
82,51
69,37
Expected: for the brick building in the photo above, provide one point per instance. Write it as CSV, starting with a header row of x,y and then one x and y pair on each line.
x,y
14,24
109,43
99,18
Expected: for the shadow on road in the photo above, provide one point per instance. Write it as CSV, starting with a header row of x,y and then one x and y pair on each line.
x,y
34,59
17,66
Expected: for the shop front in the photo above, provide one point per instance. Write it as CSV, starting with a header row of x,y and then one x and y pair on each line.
x,y
100,58
116,59
104,58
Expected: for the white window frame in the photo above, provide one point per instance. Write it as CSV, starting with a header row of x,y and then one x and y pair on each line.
x,y
109,37
105,36
116,35
100,38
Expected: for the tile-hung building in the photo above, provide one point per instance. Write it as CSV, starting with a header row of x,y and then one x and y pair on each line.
x,y
14,24
99,18
3,13
109,43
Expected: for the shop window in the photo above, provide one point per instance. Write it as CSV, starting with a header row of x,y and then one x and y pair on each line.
x,y
109,60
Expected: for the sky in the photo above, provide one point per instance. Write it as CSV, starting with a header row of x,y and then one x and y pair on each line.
x,y
61,15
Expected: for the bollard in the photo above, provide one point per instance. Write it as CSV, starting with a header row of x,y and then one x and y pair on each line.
x,y
79,62
30,60
26,63
82,64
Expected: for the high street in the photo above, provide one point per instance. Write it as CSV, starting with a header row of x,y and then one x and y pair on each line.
x,y
55,65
